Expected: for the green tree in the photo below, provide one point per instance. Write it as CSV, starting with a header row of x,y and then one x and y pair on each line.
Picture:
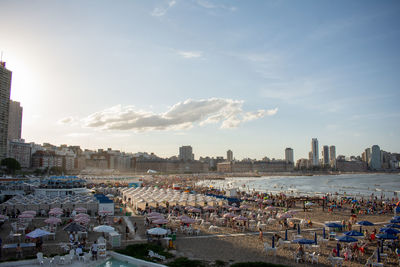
x,y
11,165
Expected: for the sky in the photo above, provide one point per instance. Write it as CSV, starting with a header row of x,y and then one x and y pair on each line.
x,y
251,76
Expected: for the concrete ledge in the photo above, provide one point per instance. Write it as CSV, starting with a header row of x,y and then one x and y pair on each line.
x,y
19,263
138,262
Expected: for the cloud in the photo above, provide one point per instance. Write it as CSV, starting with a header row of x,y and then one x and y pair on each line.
x,y
190,54
181,116
77,135
209,5
161,11
66,120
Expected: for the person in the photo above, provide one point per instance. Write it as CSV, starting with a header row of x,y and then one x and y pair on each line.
x,y
135,227
261,234
127,231
39,244
79,251
300,252
71,238
94,250
19,251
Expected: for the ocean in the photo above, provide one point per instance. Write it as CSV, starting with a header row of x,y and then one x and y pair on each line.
x,y
387,185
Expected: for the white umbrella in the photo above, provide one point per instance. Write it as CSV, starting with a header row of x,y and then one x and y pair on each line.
x,y
104,229
157,231
37,233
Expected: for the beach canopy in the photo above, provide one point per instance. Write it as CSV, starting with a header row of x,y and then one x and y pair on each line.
x,y
187,220
392,225
37,233
353,233
388,230
333,225
386,236
157,231
52,220
365,223
160,221
303,241
346,238
104,229
74,227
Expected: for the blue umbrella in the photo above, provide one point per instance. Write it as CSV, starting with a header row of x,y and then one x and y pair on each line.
x,y
303,241
388,230
353,233
354,200
323,233
346,238
396,217
298,229
365,223
273,241
37,233
333,225
392,225
285,234
395,220
315,238
386,236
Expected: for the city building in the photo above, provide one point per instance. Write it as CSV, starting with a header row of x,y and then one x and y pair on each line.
x,y
14,120
20,151
5,88
315,153
332,156
186,153
376,161
289,155
325,156
229,155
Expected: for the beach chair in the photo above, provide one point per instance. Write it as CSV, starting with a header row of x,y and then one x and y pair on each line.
x,y
314,258
297,258
87,257
269,249
39,257
72,253
68,259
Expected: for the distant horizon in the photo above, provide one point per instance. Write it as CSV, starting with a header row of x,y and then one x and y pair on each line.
x,y
254,78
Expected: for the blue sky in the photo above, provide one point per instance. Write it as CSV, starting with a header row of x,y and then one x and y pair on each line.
x,y
254,77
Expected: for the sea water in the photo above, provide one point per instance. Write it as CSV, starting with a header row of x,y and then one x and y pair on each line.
x,y
387,185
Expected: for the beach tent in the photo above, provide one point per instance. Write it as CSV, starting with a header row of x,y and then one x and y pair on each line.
x,y
37,233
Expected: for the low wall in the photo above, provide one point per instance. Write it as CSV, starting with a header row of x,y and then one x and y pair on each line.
x,y
139,263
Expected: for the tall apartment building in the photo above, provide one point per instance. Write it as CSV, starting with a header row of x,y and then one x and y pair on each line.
x,y
289,155
186,153
315,153
332,156
376,161
14,120
229,155
325,155
5,88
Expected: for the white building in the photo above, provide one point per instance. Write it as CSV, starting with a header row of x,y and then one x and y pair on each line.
x,y
186,153
20,151
376,162
332,156
315,152
229,155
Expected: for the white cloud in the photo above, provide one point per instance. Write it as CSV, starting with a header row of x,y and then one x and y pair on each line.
x,y
209,5
190,54
180,116
66,120
161,11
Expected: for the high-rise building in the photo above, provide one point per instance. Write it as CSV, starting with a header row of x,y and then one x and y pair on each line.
x,y
289,155
186,153
376,162
5,88
332,156
229,155
325,155
14,120
315,153
368,156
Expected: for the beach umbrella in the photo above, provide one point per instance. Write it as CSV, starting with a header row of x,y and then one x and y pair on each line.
x,y
240,218
52,220
346,238
392,225
303,241
391,231
55,212
160,221
386,236
74,227
315,238
333,225
353,233
157,231
273,241
25,216
270,208
285,234
104,229
195,210
82,215
37,233
29,212
208,208
323,233
234,209
82,220
395,220
80,209
229,215
187,221
153,213
245,207
365,223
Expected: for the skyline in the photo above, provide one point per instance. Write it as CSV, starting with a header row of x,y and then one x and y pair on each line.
x,y
153,76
